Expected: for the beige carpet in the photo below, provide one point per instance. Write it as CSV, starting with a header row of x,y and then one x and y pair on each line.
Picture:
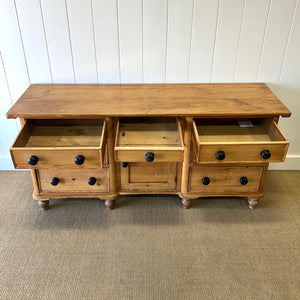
x,y
149,247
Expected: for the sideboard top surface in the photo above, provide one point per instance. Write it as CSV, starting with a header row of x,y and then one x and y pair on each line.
x,y
89,101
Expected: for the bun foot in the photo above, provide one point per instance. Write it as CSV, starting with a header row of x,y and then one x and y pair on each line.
x,y
44,205
186,203
110,204
252,203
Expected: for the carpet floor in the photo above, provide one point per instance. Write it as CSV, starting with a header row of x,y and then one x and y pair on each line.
x,y
150,247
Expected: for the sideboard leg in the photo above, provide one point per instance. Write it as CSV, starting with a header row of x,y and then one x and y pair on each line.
x,y
110,204
186,203
252,202
44,205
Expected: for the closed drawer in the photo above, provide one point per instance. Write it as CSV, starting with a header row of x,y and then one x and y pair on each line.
x,y
238,141
225,180
149,140
59,144
148,177
70,180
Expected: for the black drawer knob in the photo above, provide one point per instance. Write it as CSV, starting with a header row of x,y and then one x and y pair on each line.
x,y
92,180
54,181
220,155
265,154
124,164
149,156
33,160
243,180
205,181
79,160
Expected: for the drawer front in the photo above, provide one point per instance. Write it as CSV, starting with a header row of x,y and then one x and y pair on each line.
x,y
155,155
59,144
141,177
151,140
241,153
50,158
225,180
229,142
93,180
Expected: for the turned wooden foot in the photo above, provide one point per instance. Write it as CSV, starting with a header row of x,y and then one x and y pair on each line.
x,y
44,205
186,203
110,204
252,203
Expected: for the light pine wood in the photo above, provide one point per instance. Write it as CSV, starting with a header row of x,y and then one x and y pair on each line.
x,y
149,177
88,101
74,180
184,147
240,144
112,164
225,179
186,161
57,145
162,137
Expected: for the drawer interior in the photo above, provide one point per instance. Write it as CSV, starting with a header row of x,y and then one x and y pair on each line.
x,y
61,133
148,132
237,131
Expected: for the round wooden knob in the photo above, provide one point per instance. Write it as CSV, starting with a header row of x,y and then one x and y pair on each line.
x,y
220,155
124,164
92,180
243,180
79,160
205,181
54,181
265,154
33,160
149,156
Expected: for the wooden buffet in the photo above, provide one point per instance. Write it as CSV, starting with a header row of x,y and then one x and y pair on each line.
x,y
191,140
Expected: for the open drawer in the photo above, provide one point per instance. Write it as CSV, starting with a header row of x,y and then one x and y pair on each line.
x,y
59,144
148,140
256,140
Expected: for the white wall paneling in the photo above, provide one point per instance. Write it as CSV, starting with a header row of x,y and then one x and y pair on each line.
x,y
203,40
82,39
12,51
276,37
130,13
251,41
155,18
178,40
150,41
106,40
33,35
58,40
227,40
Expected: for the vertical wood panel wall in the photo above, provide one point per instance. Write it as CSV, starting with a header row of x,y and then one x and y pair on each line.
x,y
150,41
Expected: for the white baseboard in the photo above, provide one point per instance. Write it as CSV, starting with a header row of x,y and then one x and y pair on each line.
x,y
291,163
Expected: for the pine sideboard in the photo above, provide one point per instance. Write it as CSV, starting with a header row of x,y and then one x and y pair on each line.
x,y
191,140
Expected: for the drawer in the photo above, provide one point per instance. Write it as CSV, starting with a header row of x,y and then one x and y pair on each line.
x,y
148,177
149,140
59,144
70,180
223,141
225,180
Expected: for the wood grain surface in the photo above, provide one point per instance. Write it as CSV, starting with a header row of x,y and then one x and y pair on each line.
x,y
88,101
